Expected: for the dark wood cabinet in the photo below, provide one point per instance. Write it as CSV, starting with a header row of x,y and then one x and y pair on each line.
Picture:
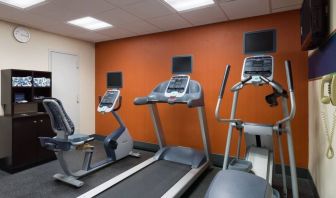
x,y
23,122
22,140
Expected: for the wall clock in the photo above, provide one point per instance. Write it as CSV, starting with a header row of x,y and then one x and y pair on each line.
x,y
21,34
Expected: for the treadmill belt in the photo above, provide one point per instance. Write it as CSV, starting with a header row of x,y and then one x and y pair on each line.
x,y
152,181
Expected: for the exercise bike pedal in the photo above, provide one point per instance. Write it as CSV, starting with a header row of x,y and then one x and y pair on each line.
x,y
85,146
134,154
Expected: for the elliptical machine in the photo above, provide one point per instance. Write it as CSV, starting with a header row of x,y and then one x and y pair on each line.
x,y
251,176
117,145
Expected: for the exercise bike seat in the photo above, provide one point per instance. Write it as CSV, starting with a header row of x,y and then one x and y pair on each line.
x,y
237,184
77,139
57,144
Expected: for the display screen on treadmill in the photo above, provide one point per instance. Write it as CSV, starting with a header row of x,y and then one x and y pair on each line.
x,y
182,64
260,42
114,80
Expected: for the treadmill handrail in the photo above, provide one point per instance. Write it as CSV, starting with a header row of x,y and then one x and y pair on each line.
x,y
141,100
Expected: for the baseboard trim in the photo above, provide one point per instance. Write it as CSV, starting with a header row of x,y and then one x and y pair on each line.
x,y
217,159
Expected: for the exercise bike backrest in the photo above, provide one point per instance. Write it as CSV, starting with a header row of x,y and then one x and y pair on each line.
x,y
61,123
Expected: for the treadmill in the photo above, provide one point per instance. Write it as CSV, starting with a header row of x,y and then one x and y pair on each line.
x,y
172,169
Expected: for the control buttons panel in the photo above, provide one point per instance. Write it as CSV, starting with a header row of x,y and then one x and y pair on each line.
x,y
177,86
108,101
257,66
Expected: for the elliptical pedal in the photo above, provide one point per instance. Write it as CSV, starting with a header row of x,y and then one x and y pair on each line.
x,y
134,154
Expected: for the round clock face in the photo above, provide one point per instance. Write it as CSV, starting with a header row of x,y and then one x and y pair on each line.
x,y
21,34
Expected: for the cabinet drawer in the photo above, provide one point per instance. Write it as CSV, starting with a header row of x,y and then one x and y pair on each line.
x,y
24,141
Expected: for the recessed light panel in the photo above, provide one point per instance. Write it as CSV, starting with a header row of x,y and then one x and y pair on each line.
x,y
183,5
21,3
90,23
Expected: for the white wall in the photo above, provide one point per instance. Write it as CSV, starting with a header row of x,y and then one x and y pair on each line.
x,y
323,170
34,55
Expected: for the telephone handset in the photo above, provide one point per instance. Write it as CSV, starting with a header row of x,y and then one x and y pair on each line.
x,y
331,98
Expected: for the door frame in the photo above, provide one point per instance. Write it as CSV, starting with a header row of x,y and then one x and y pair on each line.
x,y
50,51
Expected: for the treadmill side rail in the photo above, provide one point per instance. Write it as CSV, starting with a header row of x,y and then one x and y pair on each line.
x,y
108,184
185,182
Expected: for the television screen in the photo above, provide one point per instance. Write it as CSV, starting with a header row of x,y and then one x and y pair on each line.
x,y
114,80
182,64
260,42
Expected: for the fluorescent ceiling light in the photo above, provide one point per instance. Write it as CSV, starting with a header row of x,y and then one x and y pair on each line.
x,y
21,3
90,23
182,5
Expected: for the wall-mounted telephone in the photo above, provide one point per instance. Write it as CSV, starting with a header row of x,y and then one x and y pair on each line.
x,y
326,99
331,97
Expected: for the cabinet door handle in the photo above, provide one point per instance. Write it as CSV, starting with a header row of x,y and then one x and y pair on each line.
x,y
35,121
41,121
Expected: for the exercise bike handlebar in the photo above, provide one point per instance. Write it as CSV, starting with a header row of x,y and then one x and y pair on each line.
x,y
220,97
291,94
119,104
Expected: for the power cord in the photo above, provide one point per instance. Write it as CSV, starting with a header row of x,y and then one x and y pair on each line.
x,y
330,151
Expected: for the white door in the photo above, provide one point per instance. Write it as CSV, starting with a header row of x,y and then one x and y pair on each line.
x,y
65,83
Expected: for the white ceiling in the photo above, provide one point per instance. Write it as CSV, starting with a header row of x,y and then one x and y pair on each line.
x,y
135,17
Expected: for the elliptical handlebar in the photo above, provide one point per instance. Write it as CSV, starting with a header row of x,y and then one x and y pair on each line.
x,y
291,94
226,76
288,65
220,97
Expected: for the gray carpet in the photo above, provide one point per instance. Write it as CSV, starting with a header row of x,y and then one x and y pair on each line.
x,y
37,182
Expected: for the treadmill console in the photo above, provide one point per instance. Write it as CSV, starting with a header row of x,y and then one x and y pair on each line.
x,y
108,101
257,66
177,86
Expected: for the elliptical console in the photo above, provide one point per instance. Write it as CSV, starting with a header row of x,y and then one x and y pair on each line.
x,y
256,66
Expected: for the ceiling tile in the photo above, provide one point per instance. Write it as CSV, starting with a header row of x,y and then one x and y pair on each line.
x,y
206,15
122,3
276,4
63,29
92,36
245,8
54,10
283,9
140,27
149,9
85,7
117,16
23,18
170,22
116,31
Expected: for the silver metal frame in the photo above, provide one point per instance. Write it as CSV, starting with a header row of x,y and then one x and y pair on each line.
x,y
157,125
233,122
181,186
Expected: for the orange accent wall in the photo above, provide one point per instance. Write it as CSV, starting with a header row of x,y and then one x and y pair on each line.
x,y
146,60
